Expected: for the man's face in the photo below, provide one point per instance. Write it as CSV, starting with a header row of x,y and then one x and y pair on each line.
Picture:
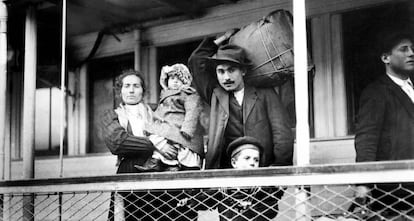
x,y
230,76
401,58
246,159
174,83
131,91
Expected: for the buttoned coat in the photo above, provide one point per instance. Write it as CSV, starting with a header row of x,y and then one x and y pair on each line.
x,y
179,111
385,123
264,116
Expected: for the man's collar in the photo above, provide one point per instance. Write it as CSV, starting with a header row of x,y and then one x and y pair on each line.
x,y
398,81
241,91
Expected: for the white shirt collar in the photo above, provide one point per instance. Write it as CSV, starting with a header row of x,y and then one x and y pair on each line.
x,y
399,81
239,96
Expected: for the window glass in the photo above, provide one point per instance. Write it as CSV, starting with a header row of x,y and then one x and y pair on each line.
x,y
361,30
102,74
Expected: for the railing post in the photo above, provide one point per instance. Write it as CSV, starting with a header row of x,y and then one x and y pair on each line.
x,y
3,81
29,97
301,102
3,96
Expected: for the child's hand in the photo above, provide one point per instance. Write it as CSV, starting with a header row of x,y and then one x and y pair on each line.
x,y
188,89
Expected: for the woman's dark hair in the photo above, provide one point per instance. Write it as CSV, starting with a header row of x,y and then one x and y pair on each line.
x,y
125,73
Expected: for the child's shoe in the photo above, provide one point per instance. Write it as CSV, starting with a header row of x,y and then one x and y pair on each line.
x,y
151,165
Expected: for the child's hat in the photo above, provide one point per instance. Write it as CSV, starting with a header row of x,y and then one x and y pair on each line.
x,y
179,70
238,145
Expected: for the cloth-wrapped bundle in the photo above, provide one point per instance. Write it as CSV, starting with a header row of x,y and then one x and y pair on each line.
x,y
269,46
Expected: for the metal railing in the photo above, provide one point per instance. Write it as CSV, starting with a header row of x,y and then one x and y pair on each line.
x,y
283,193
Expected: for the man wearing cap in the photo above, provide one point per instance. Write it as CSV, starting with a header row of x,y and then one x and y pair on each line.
x,y
238,109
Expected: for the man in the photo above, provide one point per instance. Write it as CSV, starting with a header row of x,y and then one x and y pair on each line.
x,y
238,109
385,123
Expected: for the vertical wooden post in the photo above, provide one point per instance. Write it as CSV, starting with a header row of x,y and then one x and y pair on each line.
x,y
137,49
83,109
29,95
301,102
3,83
62,89
153,84
4,160
338,78
29,98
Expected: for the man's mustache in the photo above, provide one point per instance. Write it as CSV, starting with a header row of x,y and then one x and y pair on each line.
x,y
228,82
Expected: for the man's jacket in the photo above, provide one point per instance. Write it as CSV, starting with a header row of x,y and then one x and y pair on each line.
x,y
264,116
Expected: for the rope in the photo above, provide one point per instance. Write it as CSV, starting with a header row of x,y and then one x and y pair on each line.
x,y
266,49
273,58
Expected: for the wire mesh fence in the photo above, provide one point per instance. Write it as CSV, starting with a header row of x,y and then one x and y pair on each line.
x,y
190,197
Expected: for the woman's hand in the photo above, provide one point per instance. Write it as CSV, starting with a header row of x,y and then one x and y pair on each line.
x,y
169,152
226,36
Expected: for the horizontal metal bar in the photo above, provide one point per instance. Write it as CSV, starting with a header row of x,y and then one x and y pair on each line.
x,y
236,178
222,173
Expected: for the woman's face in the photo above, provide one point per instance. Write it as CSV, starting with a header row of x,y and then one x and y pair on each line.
x,y
131,91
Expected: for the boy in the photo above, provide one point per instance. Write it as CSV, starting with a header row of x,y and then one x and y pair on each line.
x,y
241,204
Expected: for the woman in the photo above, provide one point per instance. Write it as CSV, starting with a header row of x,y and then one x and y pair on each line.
x,y
122,132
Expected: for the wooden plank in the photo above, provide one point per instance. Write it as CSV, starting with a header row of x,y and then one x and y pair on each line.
x,y
191,8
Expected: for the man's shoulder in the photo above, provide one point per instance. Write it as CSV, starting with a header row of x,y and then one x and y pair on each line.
x,y
261,90
378,85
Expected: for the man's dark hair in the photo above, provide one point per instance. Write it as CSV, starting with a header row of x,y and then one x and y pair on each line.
x,y
389,41
125,73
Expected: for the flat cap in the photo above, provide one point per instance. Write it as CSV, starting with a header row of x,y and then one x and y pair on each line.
x,y
236,145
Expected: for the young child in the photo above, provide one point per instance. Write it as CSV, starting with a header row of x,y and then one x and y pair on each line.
x,y
176,123
240,204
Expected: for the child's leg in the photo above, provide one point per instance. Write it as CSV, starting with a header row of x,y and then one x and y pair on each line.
x,y
188,159
158,162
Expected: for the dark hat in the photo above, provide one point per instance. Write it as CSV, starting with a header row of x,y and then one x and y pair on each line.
x,y
230,53
235,146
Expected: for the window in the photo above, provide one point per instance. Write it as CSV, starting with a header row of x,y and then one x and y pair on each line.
x,y
102,73
361,29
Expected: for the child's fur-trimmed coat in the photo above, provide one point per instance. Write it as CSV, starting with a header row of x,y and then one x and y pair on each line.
x,y
177,112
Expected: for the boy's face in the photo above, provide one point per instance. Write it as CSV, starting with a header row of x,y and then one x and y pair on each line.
x,y
246,159
174,83
401,58
230,76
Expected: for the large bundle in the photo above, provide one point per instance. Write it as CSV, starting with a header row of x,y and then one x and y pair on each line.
x,y
269,46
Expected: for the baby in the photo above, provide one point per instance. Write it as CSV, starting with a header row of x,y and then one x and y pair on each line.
x,y
176,123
